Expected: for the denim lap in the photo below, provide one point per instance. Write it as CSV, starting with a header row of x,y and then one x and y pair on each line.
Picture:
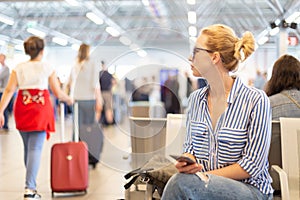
x,y
190,187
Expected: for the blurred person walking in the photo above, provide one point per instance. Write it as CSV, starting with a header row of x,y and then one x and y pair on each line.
x,y
85,89
106,83
260,80
33,111
170,94
4,76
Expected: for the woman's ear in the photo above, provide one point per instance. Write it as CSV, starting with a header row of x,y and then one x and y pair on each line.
x,y
216,57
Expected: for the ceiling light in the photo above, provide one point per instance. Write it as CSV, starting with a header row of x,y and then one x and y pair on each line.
x,y
125,40
274,31
277,22
263,33
193,39
36,32
134,47
19,47
6,20
191,2
292,17
94,18
193,31
75,47
60,41
142,53
2,43
146,2
192,17
72,2
263,40
113,32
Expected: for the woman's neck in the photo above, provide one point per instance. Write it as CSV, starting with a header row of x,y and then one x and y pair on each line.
x,y
221,86
38,57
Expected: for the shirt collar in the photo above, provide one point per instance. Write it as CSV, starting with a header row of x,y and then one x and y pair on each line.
x,y
235,89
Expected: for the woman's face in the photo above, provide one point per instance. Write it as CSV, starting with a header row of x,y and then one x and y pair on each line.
x,y
201,58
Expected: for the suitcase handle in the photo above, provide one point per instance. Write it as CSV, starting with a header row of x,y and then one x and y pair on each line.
x,y
76,119
62,122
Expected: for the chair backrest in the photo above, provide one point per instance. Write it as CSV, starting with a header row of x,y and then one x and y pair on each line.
x,y
290,143
275,154
275,147
175,133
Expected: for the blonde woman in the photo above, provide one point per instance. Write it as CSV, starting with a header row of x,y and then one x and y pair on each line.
x,y
228,126
85,89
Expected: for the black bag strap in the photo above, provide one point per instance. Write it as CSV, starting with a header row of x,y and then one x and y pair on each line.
x,y
135,174
136,171
127,185
131,173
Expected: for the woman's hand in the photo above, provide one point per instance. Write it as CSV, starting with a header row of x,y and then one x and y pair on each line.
x,y
1,120
183,167
69,101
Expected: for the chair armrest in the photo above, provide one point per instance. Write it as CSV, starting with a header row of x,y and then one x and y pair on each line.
x,y
285,195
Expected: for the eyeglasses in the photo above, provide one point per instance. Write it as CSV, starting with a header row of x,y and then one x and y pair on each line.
x,y
197,49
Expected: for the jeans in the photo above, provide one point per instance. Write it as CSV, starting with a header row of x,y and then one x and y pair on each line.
x,y
33,145
190,187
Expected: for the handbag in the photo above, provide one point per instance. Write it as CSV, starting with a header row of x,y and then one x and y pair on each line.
x,y
157,171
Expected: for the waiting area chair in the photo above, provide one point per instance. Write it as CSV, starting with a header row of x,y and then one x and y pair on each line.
x,y
284,158
175,133
290,143
280,182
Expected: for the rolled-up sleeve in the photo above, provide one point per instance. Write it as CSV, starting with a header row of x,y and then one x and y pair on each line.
x,y
255,154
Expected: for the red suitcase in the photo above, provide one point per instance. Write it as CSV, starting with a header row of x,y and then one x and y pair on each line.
x,y
69,163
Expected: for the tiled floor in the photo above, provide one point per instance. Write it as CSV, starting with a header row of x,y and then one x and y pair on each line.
x,y
105,182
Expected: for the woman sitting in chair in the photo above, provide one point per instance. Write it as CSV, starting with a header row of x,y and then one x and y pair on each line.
x,y
228,126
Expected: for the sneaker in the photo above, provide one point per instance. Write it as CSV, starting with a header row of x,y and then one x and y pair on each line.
x,y
31,195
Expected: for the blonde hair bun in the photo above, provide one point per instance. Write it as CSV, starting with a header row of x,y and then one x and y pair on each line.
x,y
244,47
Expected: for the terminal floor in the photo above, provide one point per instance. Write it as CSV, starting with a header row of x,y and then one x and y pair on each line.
x,y
105,182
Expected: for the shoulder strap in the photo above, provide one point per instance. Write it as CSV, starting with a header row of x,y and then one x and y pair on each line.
x,y
292,99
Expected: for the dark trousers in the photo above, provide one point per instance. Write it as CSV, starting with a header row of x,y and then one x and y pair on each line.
x,y
6,113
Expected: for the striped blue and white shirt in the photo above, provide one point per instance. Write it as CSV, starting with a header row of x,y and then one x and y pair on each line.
x,y
242,134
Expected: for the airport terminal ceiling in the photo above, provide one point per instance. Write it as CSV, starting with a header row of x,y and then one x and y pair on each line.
x,y
139,22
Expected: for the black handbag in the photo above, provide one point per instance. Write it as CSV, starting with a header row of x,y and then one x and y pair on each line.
x,y
157,171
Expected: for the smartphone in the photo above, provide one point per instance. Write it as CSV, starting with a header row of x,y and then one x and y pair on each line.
x,y
181,158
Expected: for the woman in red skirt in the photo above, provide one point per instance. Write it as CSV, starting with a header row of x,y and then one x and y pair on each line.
x,y
33,112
